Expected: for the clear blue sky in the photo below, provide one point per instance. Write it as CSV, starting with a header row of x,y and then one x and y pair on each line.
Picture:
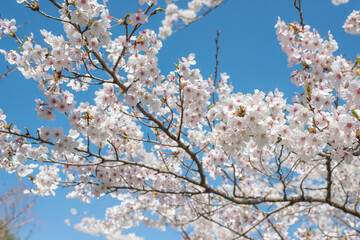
x,y
249,53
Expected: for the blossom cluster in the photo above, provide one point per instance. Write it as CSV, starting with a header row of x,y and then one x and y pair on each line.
x,y
7,27
352,24
324,77
174,13
338,2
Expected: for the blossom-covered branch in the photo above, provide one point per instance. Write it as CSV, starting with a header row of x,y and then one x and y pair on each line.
x,y
203,159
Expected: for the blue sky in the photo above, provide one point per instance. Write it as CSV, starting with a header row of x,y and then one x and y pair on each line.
x,y
249,53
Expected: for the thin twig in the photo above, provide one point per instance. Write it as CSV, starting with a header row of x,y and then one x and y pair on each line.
x,y
9,70
216,62
298,7
199,17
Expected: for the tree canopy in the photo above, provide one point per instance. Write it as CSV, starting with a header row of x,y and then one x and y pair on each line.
x,y
179,149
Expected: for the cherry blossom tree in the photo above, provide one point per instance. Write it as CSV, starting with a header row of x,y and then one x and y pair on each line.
x,y
16,212
180,149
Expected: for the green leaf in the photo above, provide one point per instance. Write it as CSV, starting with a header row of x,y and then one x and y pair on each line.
x,y
355,114
308,90
358,60
127,16
160,10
